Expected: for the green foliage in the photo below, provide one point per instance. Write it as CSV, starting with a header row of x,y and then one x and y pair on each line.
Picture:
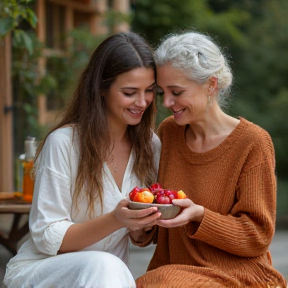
x,y
28,83
114,18
12,13
155,19
261,76
66,69
254,33
57,83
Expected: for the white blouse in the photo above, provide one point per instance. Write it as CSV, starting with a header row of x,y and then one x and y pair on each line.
x,y
52,211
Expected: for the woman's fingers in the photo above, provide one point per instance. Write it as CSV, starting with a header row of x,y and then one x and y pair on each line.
x,y
184,203
143,212
135,219
145,222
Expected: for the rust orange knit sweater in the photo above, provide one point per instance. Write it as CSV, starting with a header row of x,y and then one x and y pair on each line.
x,y
236,184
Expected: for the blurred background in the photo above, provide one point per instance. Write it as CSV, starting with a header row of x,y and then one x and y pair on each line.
x,y
45,44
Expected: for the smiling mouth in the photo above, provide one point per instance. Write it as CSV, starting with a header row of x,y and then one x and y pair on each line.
x,y
136,112
177,112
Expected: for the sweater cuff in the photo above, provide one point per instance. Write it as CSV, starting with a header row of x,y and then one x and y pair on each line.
x,y
203,231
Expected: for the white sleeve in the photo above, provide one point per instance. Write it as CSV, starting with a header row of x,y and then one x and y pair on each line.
x,y
50,215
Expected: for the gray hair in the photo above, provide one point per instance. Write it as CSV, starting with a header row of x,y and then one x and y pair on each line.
x,y
199,57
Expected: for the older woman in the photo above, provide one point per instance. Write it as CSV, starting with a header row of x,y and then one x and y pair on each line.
x,y
225,165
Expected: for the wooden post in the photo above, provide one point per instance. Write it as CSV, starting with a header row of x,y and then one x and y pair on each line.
x,y
6,143
41,35
97,25
122,6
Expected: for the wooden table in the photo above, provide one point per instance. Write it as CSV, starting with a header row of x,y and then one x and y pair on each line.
x,y
18,208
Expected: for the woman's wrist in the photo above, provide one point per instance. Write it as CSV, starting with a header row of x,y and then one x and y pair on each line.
x,y
199,214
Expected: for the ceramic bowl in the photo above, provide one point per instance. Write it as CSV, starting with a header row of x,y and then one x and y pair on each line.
x,y
168,211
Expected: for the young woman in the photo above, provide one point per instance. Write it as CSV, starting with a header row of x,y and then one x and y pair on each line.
x,y
225,165
87,165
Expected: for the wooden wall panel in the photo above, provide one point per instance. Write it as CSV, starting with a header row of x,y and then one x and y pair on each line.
x,y
6,144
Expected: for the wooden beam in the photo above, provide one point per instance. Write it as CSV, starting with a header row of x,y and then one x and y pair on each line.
x,y
40,12
97,25
77,6
6,143
69,20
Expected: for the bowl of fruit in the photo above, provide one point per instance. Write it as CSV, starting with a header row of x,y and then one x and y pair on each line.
x,y
156,196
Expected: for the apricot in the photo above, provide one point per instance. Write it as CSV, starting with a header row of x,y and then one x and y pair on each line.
x,y
144,196
181,194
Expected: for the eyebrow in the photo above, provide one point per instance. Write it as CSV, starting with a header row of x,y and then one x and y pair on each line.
x,y
134,88
175,86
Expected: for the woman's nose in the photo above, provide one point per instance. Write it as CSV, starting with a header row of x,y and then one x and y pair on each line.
x,y
140,101
168,101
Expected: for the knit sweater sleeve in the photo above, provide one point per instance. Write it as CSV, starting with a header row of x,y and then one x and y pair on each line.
x,y
249,228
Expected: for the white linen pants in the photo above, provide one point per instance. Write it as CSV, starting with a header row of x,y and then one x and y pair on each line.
x,y
87,269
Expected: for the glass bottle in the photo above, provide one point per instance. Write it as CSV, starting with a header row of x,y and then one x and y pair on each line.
x,y
27,164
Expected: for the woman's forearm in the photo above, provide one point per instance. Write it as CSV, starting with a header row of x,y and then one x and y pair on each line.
x,y
80,235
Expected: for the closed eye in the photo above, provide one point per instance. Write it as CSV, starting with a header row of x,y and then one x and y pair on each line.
x,y
177,93
129,94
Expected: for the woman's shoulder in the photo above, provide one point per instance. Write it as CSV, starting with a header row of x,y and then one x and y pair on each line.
x,y
256,138
61,141
254,131
63,132
59,150
63,135
167,125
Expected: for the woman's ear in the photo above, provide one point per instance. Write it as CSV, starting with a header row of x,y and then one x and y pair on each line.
x,y
212,85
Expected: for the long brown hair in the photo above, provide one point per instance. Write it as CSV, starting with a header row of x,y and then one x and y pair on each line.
x,y
117,54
